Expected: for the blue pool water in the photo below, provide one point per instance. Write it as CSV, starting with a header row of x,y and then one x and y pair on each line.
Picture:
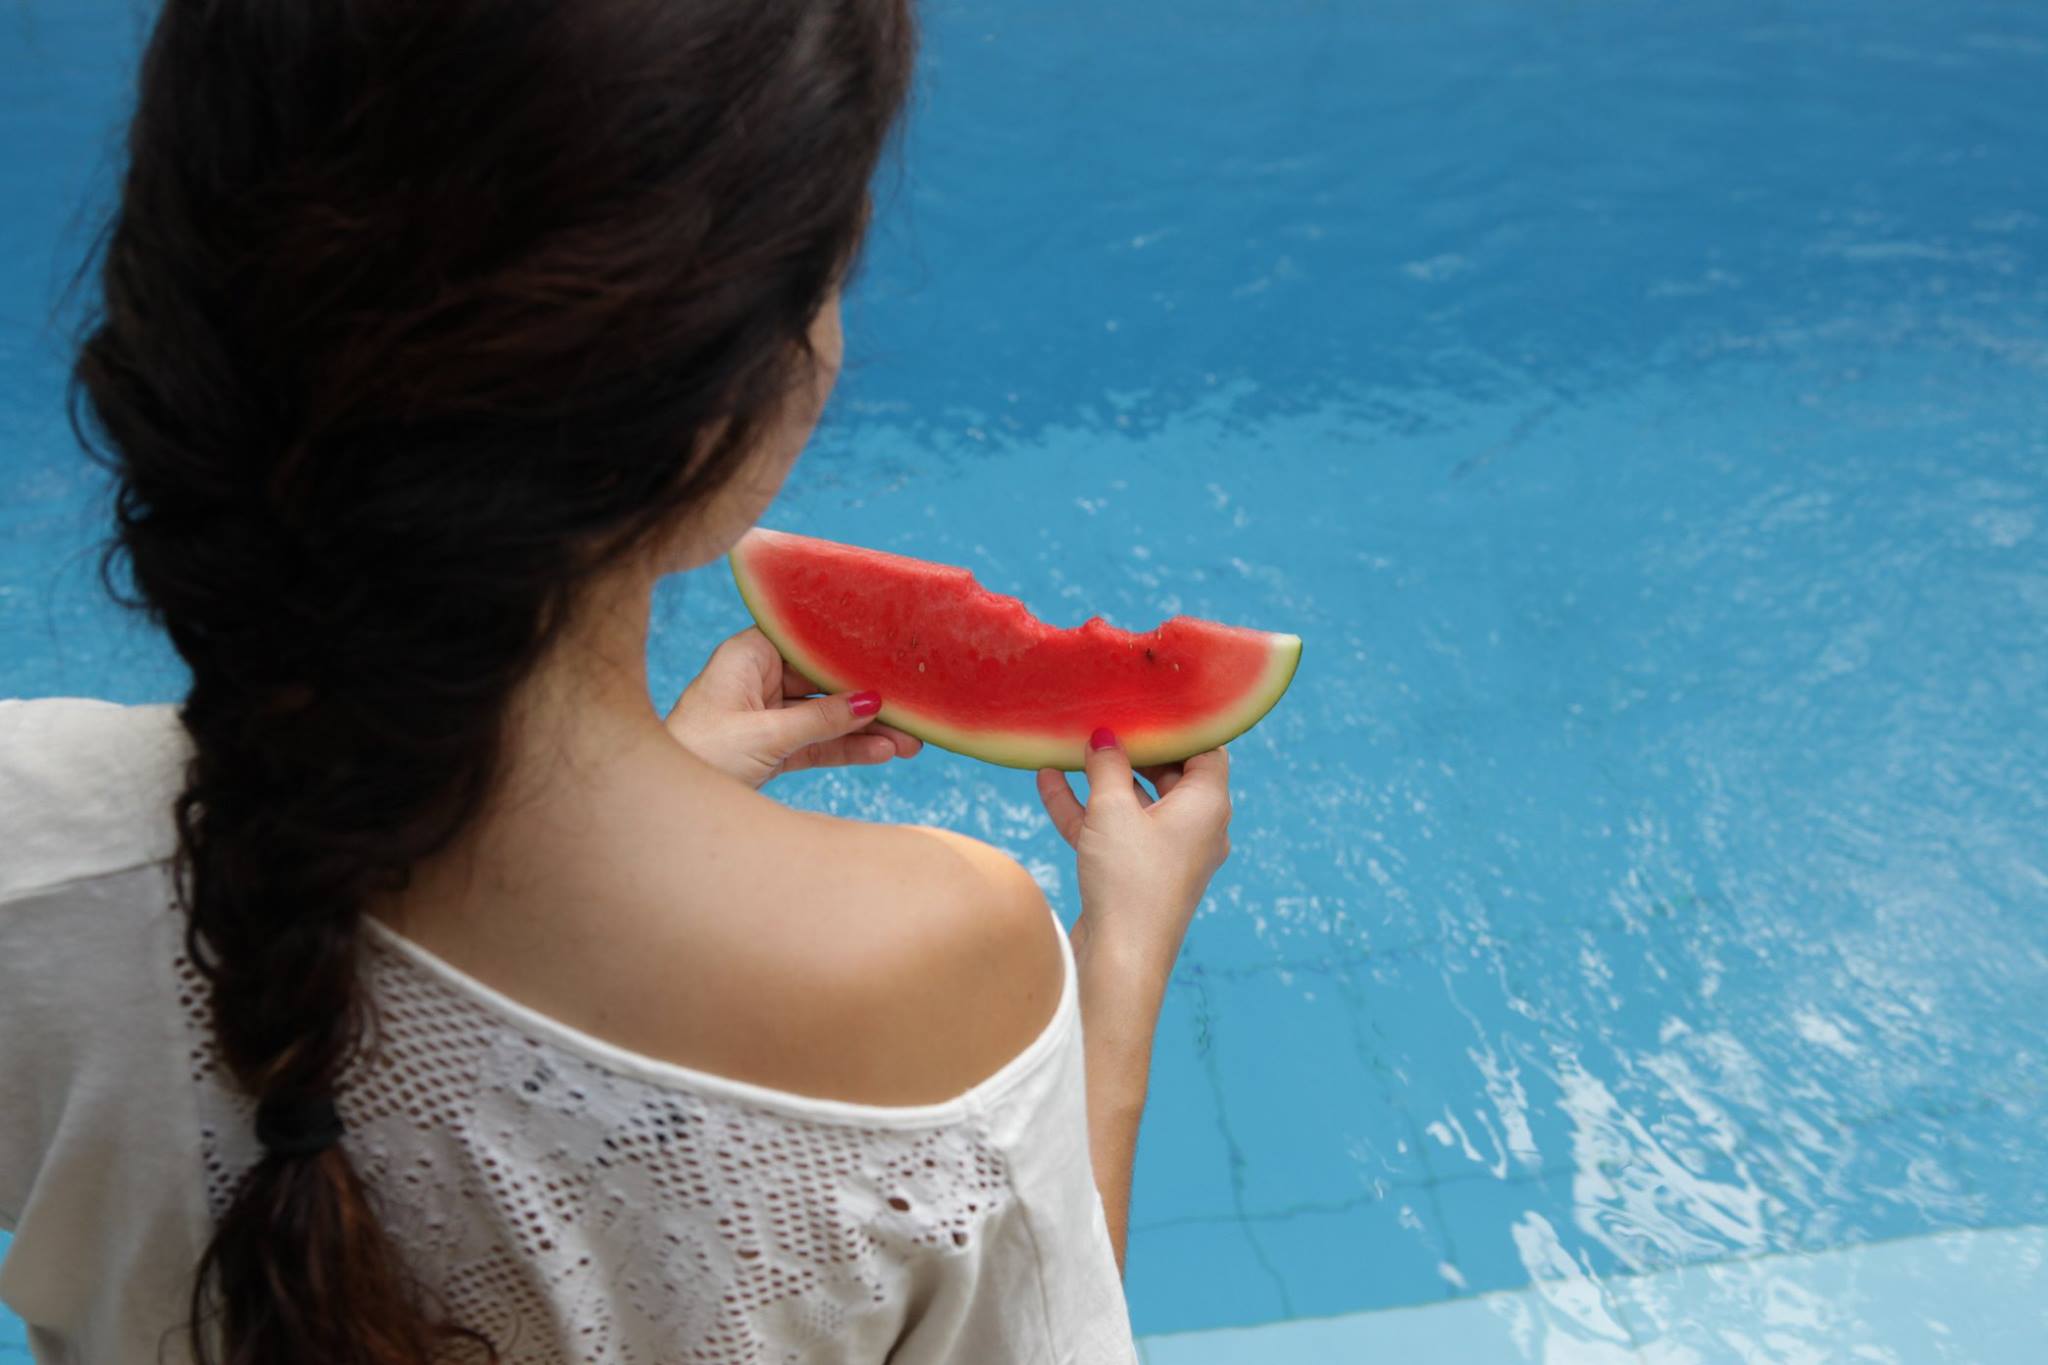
x,y
1641,411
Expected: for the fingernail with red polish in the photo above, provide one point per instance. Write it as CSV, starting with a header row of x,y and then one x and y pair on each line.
x,y
1103,738
864,703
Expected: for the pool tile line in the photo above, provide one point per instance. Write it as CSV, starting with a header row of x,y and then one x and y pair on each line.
x,y
1250,1221
1362,1020
1360,1017
1419,1187
1204,1021
1425,1189
1339,970
1356,1013
1346,977
1291,1211
1349,986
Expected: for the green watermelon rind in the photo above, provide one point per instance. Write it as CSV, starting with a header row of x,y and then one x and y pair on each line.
x,y
1033,750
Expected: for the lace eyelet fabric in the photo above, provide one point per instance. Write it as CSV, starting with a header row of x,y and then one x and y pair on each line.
x,y
568,1211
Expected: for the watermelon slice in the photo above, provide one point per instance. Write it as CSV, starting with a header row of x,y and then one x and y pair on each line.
x,y
963,668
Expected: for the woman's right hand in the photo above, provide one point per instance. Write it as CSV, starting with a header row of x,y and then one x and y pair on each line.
x,y
1144,864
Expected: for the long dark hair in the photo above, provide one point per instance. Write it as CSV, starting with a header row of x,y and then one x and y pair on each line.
x,y
415,317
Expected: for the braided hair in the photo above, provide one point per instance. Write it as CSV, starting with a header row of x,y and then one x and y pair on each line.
x,y
413,318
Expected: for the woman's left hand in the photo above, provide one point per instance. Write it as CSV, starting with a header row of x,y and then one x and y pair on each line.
x,y
751,716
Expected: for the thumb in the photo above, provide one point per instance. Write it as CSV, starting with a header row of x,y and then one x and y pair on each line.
x,y
1109,771
822,718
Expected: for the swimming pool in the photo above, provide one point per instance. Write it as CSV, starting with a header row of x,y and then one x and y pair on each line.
x,y
1637,944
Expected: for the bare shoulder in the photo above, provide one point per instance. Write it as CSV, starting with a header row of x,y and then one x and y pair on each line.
x,y
877,964
939,962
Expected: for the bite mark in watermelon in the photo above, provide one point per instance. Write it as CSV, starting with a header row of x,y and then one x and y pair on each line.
x,y
975,672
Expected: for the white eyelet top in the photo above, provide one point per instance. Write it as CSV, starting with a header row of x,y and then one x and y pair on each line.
x,y
573,1201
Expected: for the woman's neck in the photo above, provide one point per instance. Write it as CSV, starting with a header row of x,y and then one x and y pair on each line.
x,y
583,745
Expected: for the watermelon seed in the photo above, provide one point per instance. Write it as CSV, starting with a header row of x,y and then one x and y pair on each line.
x,y
920,666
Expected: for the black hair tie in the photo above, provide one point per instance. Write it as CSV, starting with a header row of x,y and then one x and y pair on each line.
x,y
297,1125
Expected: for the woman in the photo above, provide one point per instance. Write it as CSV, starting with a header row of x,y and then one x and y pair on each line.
x,y
419,992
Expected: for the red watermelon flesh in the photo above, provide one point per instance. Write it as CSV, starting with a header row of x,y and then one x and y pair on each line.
x,y
975,672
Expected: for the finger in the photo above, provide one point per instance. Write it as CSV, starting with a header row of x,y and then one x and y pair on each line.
x,y
1208,770
848,751
1057,795
1144,797
749,650
797,684
811,722
737,675
1164,777
1109,772
748,641
907,745
1205,784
